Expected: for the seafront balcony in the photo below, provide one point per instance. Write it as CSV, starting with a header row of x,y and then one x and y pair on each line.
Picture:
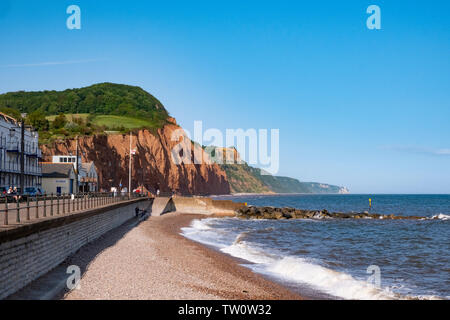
x,y
15,147
14,167
34,171
33,152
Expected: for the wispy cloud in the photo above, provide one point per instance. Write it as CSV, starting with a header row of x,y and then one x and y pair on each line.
x,y
444,152
50,63
419,150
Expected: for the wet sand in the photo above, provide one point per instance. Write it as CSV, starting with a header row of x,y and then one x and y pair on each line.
x,y
153,261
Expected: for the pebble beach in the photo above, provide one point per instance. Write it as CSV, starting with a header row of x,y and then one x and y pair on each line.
x,y
151,260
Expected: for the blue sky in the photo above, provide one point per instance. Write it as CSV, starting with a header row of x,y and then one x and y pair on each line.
x,y
366,109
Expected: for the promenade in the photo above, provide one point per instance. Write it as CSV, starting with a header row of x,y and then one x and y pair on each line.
x,y
18,213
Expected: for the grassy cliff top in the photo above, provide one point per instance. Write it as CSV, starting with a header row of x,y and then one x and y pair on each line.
x,y
90,110
102,98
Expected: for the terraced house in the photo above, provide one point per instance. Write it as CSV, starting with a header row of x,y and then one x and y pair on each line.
x,y
10,154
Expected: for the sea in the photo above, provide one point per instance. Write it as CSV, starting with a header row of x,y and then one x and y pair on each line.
x,y
342,259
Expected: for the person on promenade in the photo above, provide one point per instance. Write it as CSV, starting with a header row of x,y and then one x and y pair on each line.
x,y
16,194
114,191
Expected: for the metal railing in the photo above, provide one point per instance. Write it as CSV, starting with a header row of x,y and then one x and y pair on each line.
x,y
17,209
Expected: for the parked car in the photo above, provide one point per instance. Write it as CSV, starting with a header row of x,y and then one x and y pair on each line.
x,y
33,192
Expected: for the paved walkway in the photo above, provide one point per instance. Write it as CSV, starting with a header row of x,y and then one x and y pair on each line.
x,y
48,209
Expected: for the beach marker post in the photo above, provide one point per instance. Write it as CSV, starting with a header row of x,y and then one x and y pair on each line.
x,y
370,204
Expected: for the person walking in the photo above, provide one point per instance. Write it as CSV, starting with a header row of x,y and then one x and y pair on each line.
x,y
16,194
136,211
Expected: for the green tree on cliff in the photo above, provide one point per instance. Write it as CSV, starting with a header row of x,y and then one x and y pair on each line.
x,y
60,121
11,112
38,121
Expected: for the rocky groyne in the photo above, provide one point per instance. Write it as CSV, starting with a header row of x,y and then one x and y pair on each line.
x,y
273,213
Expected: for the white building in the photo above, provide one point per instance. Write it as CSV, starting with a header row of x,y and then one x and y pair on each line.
x,y
58,178
87,172
66,159
89,177
10,150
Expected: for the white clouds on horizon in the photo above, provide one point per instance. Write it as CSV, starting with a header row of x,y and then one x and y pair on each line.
x,y
419,150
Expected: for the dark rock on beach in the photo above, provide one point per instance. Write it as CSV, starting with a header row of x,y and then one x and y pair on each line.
x,y
272,213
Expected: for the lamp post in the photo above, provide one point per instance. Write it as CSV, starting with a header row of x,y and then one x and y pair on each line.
x,y
77,188
129,168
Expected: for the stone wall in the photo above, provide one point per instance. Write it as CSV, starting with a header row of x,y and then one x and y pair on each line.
x,y
30,251
205,206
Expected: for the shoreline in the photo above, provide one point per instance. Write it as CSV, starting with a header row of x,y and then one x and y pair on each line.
x,y
152,260
274,194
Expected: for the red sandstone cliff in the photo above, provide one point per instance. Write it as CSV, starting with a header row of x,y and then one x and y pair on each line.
x,y
152,165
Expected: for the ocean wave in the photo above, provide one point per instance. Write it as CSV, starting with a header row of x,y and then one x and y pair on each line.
x,y
200,225
293,269
201,231
335,283
299,270
441,216
243,251
240,237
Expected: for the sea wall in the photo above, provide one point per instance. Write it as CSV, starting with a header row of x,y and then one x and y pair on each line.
x,y
206,206
30,251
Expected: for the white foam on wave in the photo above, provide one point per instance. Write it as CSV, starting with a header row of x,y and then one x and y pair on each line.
x,y
300,270
200,225
290,268
441,216
242,251
335,283
200,231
